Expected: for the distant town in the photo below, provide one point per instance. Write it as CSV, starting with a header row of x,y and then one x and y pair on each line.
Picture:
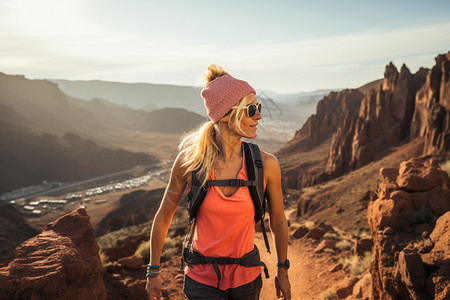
x,y
38,206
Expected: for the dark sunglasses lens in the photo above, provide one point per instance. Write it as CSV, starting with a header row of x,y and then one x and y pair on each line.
x,y
251,110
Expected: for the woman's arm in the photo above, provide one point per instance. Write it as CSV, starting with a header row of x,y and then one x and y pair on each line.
x,y
162,221
278,223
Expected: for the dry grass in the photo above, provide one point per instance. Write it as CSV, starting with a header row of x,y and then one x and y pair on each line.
x,y
110,239
106,262
309,224
344,245
329,294
356,265
332,236
445,166
144,250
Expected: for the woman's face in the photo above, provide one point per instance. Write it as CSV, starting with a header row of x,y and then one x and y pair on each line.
x,y
248,124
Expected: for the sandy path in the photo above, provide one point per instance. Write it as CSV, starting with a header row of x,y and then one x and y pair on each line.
x,y
309,273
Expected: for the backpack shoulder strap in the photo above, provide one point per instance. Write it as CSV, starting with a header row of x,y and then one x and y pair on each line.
x,y
255,171
258,167
195,196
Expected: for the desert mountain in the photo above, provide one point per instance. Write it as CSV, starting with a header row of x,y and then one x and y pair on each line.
x,y
47,109
136,95
282,113
47,135
165,120
43,107
28,158
352,128
151,96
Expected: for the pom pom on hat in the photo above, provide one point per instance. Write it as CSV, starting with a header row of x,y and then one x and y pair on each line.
x,y
222,93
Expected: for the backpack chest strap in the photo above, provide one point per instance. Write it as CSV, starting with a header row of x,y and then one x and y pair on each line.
x,y
230,182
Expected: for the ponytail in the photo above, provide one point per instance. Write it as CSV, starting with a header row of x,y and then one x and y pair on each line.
x,y
199,150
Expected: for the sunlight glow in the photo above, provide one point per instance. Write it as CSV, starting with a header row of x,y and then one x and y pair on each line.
x,y
60,39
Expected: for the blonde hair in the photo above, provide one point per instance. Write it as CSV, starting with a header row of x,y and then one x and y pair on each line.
x,y
199,148
212,72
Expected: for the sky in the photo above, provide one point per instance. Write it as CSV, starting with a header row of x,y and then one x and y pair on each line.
x,y
282,46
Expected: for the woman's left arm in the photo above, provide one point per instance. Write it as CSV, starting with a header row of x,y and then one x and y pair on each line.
x,y
278,223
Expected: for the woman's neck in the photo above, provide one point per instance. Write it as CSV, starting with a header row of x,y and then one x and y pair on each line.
x,y
229,144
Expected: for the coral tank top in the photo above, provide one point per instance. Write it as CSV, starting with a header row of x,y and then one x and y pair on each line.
x,y
225,228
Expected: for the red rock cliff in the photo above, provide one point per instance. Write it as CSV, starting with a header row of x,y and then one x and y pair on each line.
x,y
330,112
431,118
383,120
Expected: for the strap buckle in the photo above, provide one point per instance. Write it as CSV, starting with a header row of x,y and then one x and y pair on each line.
x,y
236,182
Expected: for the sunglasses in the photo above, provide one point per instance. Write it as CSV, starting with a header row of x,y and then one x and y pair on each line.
x,y
251,109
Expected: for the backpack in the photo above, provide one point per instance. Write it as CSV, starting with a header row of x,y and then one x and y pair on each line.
x,y
255,184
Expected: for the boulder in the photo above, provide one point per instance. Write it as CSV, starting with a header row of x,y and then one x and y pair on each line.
x,y
300,232
316,233
421,174
132,262
363,288
61,262
439,237
439,282
336,267
345,287
325,244
410,222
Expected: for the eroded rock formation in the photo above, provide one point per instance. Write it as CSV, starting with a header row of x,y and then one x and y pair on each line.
x,y
61,262
362,128
410,226
330,112
317,131
431,118
383,120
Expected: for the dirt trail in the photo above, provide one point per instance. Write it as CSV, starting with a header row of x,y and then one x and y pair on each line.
x,y
309,273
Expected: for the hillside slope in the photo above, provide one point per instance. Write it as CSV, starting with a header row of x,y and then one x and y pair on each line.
x,y
28,158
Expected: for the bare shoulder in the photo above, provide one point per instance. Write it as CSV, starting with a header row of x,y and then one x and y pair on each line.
x,y
179,168
270,161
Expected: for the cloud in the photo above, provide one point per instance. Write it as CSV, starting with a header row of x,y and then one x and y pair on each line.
x,y
58,41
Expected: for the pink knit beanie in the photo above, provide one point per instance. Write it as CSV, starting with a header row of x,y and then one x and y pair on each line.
x,y
221,94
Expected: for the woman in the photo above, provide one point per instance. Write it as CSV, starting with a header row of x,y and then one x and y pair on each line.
x,y
225,223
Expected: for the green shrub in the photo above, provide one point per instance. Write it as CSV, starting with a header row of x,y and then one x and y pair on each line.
x,y
419,216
